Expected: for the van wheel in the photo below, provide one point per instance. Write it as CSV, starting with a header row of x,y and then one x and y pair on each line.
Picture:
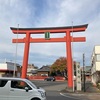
x,y
35,99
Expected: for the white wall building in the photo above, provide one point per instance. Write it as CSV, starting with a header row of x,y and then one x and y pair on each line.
x,y
7,69
31,69
95,71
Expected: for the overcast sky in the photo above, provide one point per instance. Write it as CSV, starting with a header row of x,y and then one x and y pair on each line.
x,y
48,13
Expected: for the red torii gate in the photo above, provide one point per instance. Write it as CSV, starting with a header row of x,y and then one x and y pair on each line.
x,y
68,39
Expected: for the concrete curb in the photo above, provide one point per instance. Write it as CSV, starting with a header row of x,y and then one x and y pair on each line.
x,y
82,96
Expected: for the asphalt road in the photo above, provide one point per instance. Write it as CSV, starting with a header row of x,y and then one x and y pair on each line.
x,y
44,84
53,90
54,95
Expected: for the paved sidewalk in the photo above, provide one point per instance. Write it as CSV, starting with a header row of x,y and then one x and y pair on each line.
x,y
82,96
91,93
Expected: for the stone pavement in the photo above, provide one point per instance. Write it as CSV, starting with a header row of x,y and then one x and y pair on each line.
x,y
90,88
82,96
91,93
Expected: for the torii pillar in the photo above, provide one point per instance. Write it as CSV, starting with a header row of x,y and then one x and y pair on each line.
x,y
67,39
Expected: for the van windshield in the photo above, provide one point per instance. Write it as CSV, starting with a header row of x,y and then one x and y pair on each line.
x,y
33,85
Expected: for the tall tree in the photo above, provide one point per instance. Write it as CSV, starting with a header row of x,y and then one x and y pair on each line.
x,y
59,66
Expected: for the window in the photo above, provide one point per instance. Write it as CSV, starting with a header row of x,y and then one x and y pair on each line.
x,y
3,83
19,84
98,57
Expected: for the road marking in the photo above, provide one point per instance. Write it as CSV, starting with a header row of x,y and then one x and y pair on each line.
x,y
69,96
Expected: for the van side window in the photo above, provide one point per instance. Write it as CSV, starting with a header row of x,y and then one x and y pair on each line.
x,y
19,84
14,84
3,83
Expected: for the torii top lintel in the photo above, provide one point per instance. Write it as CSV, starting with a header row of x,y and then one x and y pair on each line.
x,y
49,29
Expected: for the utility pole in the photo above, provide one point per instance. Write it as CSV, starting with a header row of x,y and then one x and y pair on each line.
x,y
15,65
83,72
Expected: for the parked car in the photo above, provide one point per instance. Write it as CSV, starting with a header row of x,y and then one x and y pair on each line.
x,y
50,79
20,89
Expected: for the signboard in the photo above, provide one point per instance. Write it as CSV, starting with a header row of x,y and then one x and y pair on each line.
x,y
78,77
47,35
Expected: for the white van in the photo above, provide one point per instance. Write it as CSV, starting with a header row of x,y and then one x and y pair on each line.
x,y
20,89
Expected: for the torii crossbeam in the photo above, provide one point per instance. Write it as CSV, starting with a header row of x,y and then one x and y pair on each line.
x,y
68,39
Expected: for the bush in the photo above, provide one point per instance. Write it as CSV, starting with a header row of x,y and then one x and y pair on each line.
x,y
98,85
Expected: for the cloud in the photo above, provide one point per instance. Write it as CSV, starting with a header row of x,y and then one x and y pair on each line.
x,y
47,13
